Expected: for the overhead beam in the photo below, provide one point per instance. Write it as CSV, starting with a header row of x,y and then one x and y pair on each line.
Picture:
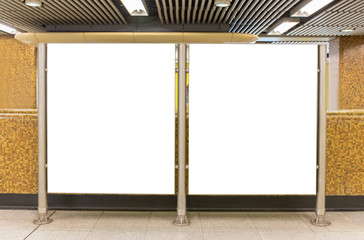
x,y
138,27
135,37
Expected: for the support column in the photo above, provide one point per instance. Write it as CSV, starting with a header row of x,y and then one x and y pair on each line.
x,y
181,219
320,220
42,135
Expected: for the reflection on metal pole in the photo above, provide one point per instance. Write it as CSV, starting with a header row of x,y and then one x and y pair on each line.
x,y
181,219
320,220
42,135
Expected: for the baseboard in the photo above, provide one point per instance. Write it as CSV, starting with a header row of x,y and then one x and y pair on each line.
x,y
194,202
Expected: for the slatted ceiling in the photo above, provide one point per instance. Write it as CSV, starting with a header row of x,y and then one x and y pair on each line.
x,y
328,31
60,12
255,17
344,14
298,43
245,16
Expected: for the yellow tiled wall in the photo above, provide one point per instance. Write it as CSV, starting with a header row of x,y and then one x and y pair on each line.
x,y
19,149
17,74
18,117
345,153
18,124
351,73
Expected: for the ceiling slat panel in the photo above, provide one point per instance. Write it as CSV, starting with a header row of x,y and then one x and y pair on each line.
x,y
60,12
344,14
274,17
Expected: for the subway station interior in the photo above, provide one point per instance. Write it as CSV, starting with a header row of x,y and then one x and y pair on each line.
x,y
182,119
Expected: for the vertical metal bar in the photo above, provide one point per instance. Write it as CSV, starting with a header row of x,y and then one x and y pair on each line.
x,y
42,135
319,220
181,219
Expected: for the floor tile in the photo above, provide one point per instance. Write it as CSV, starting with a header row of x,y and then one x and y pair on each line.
x,y
115,235
15,229
340,235
196,224
289,235
232,235
58,235
169,235
307,217
19,214
163,221
225,221
72,221
123,221
341,223
357,217
265,221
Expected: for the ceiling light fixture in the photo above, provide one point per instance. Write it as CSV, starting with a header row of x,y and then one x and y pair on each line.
x,y
346,30
222,3
8,29
308,7
283,26
33,3
136,7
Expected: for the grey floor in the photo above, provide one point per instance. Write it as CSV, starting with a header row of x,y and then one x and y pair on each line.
x,y
75,225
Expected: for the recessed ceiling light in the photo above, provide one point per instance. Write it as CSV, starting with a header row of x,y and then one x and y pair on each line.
x,y
346,30
222,3
136,7
283,26
33,3
308,7
8,29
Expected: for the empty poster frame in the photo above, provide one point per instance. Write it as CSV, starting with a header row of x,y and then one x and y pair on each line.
x,y
249,132
111,118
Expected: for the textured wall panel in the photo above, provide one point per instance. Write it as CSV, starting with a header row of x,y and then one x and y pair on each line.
x,y
17,74
345,153
18,151
351,85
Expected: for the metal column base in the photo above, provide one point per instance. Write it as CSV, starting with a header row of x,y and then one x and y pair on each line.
x,y
320,221
42,220
181,221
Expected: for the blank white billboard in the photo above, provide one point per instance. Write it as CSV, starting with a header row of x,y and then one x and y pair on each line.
x,y
253,119
111,118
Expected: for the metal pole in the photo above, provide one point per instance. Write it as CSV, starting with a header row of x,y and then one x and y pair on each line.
x,y
181,219
42,136
319,220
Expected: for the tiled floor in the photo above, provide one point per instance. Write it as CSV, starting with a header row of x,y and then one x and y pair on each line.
x,y
78,225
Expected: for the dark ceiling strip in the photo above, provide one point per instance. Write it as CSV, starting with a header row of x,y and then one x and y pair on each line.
x,y
171,11
165,11
256,19
159,11
183,11
117,11
195,11
243,21
286,7
112,12
189,8
216,15
200,11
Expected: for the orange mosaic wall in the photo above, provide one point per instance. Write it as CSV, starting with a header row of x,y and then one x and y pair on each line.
x,y
18,117
351,73
345,153
17,74
18,151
